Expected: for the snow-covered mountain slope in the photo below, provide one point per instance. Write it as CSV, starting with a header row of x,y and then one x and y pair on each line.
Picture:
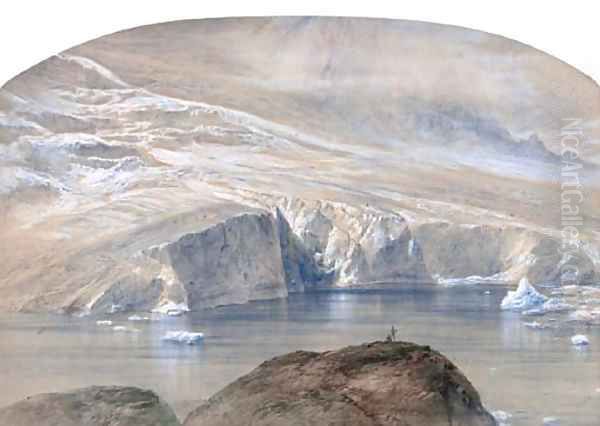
x,y
221,161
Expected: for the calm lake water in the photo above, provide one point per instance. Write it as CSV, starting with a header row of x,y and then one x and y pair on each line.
x,y
531,374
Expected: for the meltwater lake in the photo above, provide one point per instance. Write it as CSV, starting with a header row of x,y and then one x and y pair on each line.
x,y
529,374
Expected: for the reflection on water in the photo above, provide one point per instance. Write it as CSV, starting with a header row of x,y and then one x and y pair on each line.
x,y
529,373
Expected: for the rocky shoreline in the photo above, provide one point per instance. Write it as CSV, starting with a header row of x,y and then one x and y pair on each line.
x,y
379,383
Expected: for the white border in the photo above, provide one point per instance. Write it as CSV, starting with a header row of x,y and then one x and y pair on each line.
x,y
31,31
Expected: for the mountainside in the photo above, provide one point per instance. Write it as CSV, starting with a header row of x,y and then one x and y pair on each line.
x,y
221,161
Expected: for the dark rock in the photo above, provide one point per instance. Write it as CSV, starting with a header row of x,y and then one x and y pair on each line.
x,y
392,383
94,406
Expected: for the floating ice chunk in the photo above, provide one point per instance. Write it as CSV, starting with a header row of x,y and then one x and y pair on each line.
x,y
585,315
183,337
138,318
551,305
172,309
104,322
125,329
580,340
502,417
556,305
550,421
534,325
525,297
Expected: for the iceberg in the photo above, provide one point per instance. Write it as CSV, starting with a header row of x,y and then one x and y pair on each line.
x,y
523,298
104,322
186,337
550,421
580,340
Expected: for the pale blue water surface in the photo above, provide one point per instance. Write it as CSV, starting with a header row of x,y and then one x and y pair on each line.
x,y
531,374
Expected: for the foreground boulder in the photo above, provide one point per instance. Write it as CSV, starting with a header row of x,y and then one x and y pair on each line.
x,y
105,406
392,383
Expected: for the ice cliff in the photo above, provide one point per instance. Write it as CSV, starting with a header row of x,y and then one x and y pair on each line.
x,y
287,245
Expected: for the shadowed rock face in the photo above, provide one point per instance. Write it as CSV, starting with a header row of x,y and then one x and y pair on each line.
x,y
102,406
374,384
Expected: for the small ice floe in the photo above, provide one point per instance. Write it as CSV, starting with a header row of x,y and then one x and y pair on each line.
x,y
487,292
580,340
585,315
523,298
183,337
138,318
502,417
104,322
122,328
551,421
172,309
551,305
567,290
535,325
